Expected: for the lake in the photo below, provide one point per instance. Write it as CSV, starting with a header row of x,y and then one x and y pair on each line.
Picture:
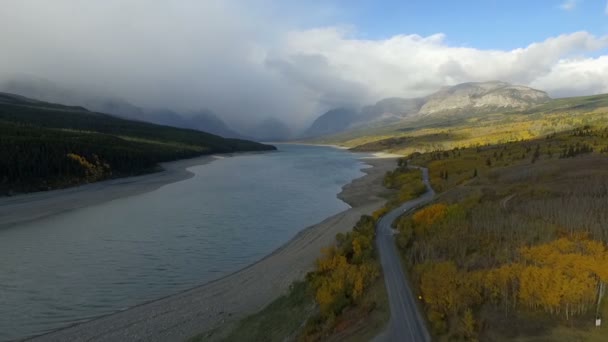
x,y
101,259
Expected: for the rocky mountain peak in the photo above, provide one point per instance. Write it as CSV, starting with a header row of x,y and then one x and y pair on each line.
x,y
482,96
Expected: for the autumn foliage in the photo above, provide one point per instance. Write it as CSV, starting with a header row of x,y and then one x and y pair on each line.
x,y
379,213
429,215
91,170
407,182
344,271
560,277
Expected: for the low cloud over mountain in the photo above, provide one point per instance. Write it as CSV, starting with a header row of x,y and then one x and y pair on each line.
x,y
250,60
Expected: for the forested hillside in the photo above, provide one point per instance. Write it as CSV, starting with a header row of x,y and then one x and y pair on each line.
x,y
515,245
45,146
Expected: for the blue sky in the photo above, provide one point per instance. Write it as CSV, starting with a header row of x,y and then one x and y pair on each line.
x,y
489,24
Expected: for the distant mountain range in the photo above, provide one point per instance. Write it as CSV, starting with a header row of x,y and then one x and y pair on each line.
x,y
461,99
465,98
204,120
335,120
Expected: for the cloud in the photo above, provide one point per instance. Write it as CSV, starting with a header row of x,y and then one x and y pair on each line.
x,y
576,77
569,5
412,65
183,54
249,60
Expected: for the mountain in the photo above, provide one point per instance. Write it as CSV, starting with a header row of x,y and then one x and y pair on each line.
x,y
382,112
39,89
333,121
202,120
271,129
46,145
205,120
390,109
7,98
465,98
14,99
160,116
482,97
115,106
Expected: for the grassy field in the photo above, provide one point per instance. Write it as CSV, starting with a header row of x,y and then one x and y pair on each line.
x,y
281,319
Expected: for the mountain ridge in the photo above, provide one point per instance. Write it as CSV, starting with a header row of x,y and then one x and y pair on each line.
x,y
463,98
482,96
46,91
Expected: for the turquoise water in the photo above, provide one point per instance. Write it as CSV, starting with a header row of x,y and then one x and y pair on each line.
x,y
101,259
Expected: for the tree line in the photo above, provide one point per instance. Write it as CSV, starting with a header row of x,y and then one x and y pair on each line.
x,y
42,149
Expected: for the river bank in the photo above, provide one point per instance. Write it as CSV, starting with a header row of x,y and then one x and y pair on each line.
x,y
30,207
203,308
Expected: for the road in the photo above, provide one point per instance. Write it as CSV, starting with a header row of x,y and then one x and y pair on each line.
x,y
406,323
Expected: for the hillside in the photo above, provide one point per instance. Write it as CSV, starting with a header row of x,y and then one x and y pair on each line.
x,y
203,120
482,97
45,146
394,108
385,111
464,99
516,239
428,133
333,121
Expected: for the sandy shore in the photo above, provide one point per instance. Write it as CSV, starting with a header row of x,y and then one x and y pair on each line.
x,y
386,155
181,316
31,207
309,144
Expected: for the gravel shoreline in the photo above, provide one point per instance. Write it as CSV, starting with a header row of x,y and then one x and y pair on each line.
x,y
183,315
35,206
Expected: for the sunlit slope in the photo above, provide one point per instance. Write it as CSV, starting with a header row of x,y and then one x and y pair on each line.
x,y
424,134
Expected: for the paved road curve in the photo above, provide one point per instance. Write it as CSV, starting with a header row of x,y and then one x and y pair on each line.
x,y
406,322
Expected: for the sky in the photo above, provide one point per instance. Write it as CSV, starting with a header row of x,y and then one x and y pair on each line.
x,y
248,60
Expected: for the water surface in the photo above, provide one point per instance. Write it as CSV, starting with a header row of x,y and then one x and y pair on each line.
x,y
97,260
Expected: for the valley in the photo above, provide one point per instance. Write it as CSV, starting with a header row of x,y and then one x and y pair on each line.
x,y
505,174
303,171
511,248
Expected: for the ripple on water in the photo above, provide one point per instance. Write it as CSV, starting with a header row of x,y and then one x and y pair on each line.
x,y
72,267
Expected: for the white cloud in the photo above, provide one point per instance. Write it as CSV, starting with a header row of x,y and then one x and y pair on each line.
x,y
569,5
576,77
411,65
247,61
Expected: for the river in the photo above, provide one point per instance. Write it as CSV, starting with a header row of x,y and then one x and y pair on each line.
x,y
108,257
